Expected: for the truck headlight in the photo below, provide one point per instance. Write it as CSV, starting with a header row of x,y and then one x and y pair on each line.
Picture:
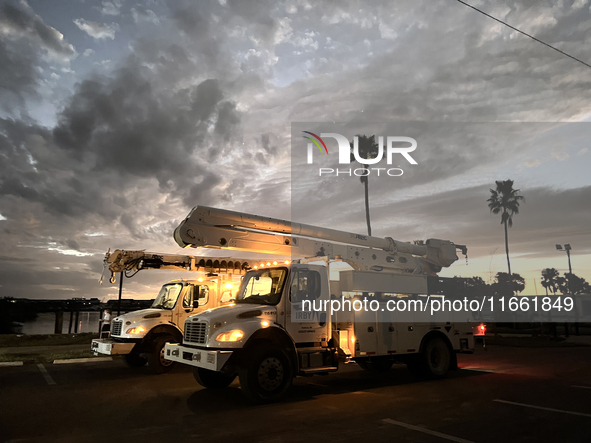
x,y
233,335
136,331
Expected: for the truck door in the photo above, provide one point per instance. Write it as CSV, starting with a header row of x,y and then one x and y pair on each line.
x,y
184,306
308,284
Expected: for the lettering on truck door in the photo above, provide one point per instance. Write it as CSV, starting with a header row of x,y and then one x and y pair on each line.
x,y
308,325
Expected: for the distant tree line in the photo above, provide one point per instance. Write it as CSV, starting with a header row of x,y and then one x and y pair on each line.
x,y
567,284
506,284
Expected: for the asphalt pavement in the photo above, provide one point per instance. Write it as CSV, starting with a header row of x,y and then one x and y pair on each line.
x,y
502,394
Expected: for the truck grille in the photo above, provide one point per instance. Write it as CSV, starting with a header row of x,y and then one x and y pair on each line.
x,y
116,329
196,332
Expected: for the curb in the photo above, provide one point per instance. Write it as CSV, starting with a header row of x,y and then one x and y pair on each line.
x,y
82,360
11,363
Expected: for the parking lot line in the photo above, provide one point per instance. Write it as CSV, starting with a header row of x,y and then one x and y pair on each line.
x,y
543,408
11,363
46,376
426,431
82,360
581,387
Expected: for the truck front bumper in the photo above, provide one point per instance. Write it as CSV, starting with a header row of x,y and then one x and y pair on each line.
x,y
212,360
107,346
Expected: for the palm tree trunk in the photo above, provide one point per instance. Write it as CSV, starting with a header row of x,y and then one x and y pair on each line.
x,y
367,206
507,247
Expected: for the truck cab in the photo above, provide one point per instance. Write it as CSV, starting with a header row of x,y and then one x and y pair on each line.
x,y
140,336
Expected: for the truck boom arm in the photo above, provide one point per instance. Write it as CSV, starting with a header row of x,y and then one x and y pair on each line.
x,y
219,228
134,261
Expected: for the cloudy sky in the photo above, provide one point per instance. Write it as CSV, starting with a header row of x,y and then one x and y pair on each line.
x,y
117,117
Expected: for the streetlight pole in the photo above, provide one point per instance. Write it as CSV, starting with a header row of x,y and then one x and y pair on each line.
x,y
566,249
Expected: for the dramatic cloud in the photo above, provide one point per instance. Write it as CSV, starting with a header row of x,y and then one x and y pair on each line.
x,y
17,23
25,41
184,103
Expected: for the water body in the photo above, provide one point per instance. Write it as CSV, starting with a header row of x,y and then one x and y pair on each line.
x,y
45,323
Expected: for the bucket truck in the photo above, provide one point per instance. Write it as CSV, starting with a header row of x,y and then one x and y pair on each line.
x,y
140,336
266,338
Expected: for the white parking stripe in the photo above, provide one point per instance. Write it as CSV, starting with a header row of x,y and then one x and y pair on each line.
x,y
82,360
562,411
426,431
45,374
11,363
581,387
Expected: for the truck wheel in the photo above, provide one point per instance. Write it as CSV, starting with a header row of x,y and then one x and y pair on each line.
x,y
156,359
212,379
134,360
435,360
266,376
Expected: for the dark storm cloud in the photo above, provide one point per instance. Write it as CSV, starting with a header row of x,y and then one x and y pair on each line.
x,y
18,76
24,40
127,124
24,22
34,170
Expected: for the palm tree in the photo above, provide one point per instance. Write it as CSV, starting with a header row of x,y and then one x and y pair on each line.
x,y
506,200
508,284
549,280
368,148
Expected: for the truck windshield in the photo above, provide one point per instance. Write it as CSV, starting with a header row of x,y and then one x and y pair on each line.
x,y
167,296
263,286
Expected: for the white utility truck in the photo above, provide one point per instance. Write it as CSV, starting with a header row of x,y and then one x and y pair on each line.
x,y
139,336
267,337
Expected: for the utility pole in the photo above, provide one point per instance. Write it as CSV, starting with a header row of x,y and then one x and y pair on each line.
x,y
567,249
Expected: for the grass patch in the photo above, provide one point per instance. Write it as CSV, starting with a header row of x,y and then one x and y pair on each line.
x,y
14,340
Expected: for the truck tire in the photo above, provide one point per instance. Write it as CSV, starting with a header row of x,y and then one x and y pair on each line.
x,y
435,359
266,376
156,359
134,360
212,379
